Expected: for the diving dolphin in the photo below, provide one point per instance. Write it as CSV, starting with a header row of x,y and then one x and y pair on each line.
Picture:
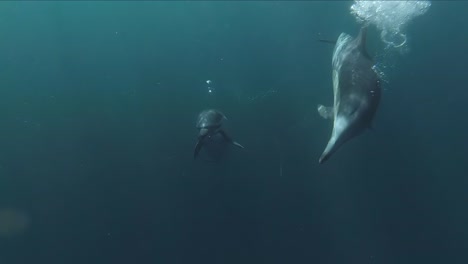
x,y
209,124
356,90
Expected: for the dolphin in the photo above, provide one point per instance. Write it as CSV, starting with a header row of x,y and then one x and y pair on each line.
x,y
356,91
209,124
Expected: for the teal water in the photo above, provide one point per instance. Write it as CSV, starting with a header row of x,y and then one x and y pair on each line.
x,y
98,103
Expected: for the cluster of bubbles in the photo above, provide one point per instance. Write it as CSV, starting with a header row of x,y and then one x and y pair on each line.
x,y
390,17
209,86
380,69
242,96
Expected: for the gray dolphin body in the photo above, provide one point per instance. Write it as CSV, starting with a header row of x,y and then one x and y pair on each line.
x,y
209,123
356,90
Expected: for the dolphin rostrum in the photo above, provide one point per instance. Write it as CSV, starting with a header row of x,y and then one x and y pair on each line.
x,y
356,90
209,124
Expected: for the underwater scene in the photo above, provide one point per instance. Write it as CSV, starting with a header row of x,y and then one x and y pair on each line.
x,y
228,132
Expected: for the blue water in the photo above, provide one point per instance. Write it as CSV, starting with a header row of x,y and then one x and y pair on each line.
x,y
98,103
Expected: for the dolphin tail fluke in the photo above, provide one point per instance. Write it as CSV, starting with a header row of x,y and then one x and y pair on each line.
x,y
198,147
229,139
325,112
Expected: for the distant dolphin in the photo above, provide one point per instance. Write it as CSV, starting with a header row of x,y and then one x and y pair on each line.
x,y
356,90
209,124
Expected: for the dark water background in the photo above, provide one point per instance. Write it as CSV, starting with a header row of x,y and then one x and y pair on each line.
x,y
98,102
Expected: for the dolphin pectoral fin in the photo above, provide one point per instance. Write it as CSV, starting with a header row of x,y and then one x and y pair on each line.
x,y
198,146
229,139
197,149
237,144
325,111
